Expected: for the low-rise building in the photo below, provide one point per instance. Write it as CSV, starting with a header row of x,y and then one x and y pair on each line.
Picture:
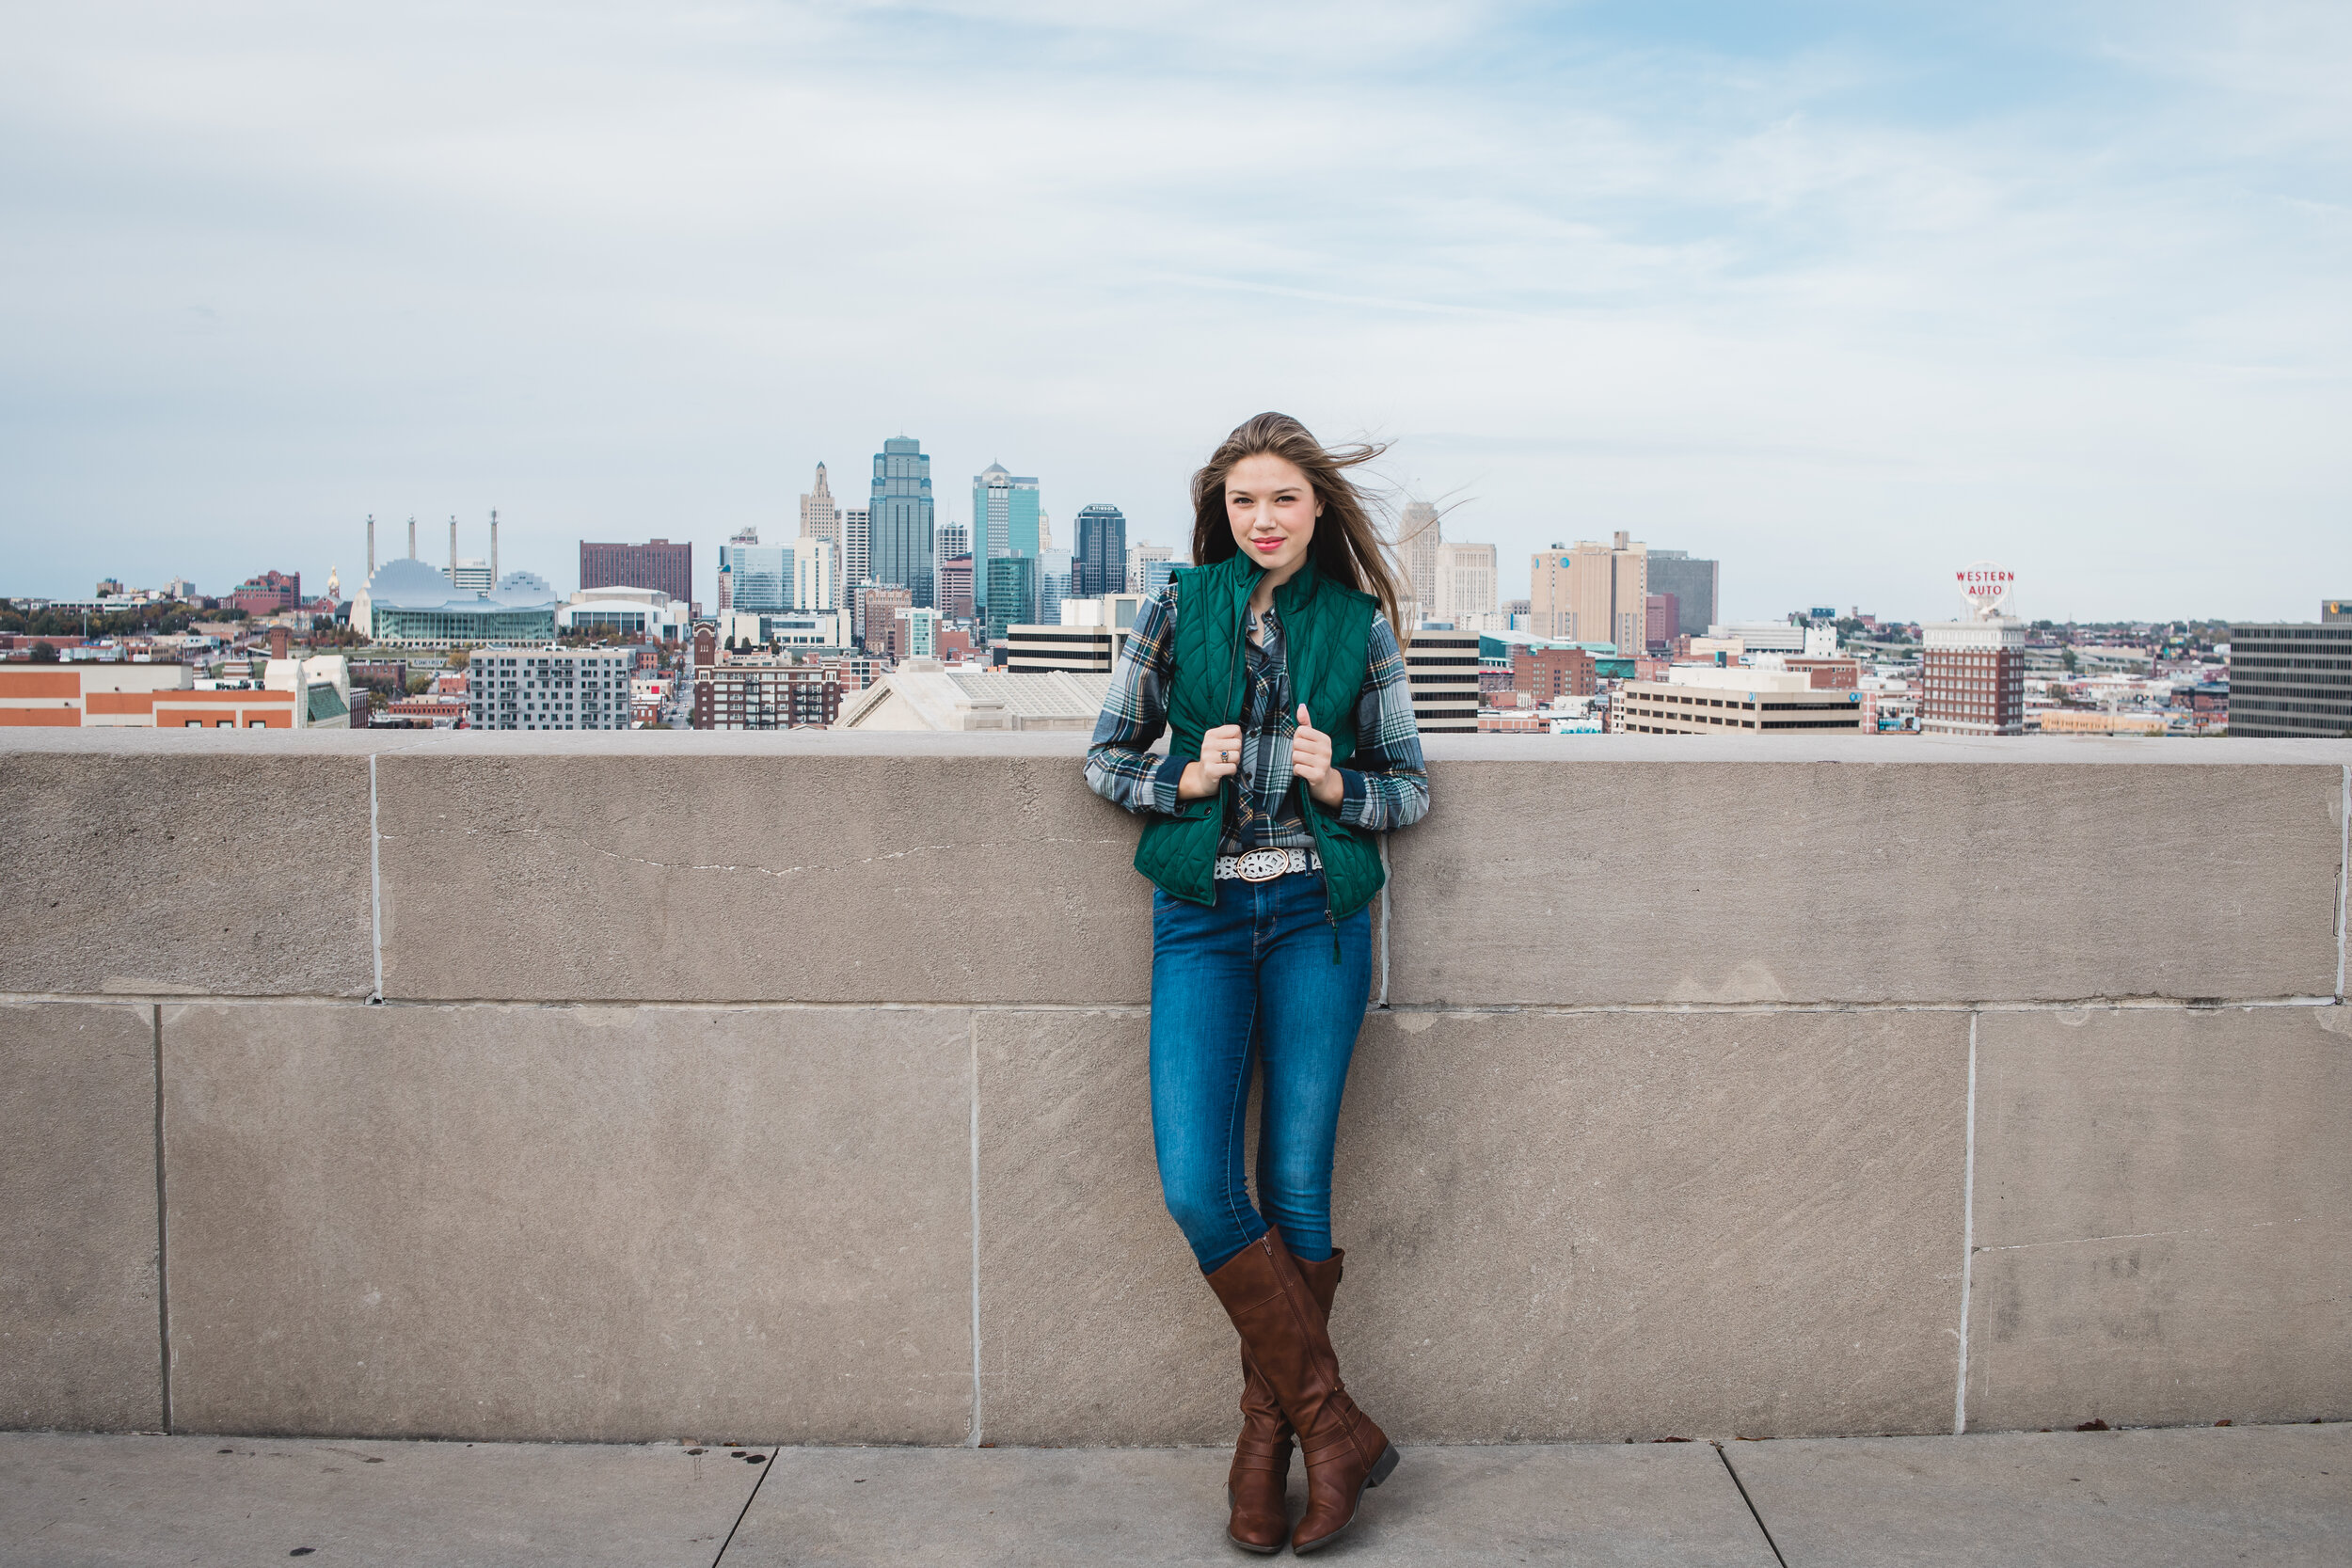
x,y
766,693
408,603
2077,720
1545,675
923,694
645,612
291,693
430,711
1706,699
73,696
785,628
646,696
1081,650
1835,673
2292,678
1442,669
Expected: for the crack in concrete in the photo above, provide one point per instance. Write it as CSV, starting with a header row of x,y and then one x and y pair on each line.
x,y
2147,1235
839,865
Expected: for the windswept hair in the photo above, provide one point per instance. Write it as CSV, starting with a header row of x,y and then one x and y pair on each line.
x,y
1346,547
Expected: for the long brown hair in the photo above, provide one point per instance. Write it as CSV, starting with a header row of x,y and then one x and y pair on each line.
x,y
1346,547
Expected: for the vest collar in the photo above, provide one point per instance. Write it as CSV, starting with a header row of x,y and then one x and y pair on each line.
x,y
1291,596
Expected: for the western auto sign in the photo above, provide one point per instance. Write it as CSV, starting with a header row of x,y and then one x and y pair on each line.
x,y
1985,587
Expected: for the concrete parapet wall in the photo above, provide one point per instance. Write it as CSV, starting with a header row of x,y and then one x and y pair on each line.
x,y
792,1088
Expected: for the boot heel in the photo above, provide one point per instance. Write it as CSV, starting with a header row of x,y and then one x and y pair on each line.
x,y
1380,1469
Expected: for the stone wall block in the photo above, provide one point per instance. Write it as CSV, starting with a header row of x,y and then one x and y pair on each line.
x,y
2160,1211
1560,1227
571,1222
726,879
1599,1226
152,872
1095,1325
80,1337
1616,882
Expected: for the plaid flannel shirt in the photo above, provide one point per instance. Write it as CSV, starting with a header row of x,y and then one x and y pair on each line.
x,y
1385,787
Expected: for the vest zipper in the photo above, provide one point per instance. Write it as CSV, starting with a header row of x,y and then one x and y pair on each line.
x,y
1306,800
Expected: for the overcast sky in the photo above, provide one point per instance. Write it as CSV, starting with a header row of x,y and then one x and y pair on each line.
x,y
1845,296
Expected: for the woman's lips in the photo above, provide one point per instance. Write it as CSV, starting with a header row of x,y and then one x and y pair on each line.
x,y
1268,545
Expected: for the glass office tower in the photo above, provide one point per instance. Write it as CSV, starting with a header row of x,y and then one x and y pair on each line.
x,y
899,520
1011,593
1004,523
759,576
1053,585
1098,564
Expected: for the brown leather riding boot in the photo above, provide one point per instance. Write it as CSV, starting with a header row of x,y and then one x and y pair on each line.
x,y
1283,1334
1258,1485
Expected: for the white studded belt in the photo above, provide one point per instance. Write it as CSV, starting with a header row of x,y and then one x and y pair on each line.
x,y
1263,865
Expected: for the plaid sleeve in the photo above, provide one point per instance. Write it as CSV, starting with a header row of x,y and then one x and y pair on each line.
x,y
1389,786
1120,765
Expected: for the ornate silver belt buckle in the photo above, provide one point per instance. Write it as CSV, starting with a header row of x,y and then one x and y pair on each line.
x,y
1262,865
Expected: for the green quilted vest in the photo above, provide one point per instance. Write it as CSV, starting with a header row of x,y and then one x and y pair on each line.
x,y
1326,630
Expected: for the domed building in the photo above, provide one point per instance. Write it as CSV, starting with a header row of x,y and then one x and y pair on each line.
x,y
410,603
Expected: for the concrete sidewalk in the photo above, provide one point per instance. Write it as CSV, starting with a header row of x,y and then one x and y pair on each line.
x,y
2243,1495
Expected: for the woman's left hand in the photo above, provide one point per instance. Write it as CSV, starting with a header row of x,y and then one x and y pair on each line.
x,y
1311,760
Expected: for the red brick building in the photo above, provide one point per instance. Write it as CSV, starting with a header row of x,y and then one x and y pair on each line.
x,y
268,594
1661,615
1829,674
955,587
766,695
664,567
1973,679
1549,673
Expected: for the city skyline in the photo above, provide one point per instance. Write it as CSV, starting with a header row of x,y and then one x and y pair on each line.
x,y
1835,296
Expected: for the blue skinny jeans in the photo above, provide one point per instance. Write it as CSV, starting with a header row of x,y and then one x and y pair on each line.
x,y
1252,984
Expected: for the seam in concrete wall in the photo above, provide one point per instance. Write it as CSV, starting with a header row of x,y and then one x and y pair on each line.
x,y
162,1232
973,1440
375,883
1141,1009
1967,1238
2343,873
1387,893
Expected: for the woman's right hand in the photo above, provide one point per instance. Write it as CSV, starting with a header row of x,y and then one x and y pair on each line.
x,y
1219,758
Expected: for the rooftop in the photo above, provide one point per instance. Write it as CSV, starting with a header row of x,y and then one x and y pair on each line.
x,y
2157,1500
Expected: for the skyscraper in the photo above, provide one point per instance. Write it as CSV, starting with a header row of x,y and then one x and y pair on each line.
x,y
1098,564
822,519
1693,582
949,541
1011,593
1004,523
816,573
1593,593
726,572
855,562
1148,567
1464,579
955,587
898,519
1417,535
1053,585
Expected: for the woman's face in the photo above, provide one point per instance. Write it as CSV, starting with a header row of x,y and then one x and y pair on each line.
x,y
1272,508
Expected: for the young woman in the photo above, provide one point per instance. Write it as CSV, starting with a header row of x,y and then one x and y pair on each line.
x,y
1273,665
